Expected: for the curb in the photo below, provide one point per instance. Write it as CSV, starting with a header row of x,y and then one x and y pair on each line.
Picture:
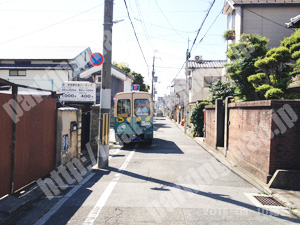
x,y
11,205
245,175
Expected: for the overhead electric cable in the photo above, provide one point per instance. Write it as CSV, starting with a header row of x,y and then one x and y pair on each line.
x,y
136,37
167,19
202,24
51,25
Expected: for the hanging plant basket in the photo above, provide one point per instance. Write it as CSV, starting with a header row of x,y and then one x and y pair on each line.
x,y
229,34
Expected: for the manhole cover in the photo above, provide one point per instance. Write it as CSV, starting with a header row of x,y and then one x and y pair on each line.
x,y
269,201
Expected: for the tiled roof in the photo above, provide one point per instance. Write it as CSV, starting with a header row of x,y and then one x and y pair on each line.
x,y
244,2
206,64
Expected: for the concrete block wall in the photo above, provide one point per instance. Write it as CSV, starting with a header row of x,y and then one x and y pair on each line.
x,y
210,124
94,127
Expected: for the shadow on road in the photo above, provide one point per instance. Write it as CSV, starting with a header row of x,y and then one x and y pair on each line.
x,y
219,197
159,146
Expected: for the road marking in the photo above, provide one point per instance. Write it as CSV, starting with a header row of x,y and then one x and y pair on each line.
x,y
56,207
109,189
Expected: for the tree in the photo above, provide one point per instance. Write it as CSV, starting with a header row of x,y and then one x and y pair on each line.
x,y
243,55
123,67
218,89
277,69
137,77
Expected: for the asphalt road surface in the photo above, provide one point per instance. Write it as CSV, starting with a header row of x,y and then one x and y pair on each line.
x,y
174,181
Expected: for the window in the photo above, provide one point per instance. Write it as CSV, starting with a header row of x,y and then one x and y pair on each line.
x,y
142,107
209,80
123,108
228,21
17,73
233,20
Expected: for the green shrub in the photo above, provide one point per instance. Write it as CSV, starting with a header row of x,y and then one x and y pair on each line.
x,y
197,119
274,93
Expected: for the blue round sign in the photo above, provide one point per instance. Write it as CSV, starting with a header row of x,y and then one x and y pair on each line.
x,y
96,59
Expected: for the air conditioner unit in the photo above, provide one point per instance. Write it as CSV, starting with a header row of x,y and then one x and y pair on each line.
x,y
198,58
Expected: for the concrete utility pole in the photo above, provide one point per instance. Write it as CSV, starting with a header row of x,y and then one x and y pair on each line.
x,y
153,72
105,91
186,85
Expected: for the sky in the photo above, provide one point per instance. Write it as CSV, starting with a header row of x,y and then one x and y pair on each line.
x,y
163,28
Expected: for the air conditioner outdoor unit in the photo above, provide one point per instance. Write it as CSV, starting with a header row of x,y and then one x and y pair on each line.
x,y
198,58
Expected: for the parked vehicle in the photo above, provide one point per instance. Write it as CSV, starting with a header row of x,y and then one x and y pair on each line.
x,y
133,113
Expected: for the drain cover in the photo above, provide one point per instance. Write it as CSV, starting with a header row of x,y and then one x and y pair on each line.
x,y
267,200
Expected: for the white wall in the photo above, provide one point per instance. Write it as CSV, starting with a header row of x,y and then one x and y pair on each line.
x,y
198,90
256,24
50,80
127,85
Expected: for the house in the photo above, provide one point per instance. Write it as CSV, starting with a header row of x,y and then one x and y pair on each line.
x,y
202,74
120,80
264,17
43,67
175,100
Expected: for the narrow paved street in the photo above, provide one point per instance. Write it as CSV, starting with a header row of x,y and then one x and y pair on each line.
x,y
174,181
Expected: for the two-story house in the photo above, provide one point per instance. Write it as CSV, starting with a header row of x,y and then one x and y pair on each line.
x,y
264,17
202,74
43,67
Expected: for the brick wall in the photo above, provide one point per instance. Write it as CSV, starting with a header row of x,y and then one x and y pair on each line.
x,y
263,136
249,137
285,146
210,124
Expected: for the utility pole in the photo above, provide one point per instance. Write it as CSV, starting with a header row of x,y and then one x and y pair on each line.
x,y
186,85
153,72
105,91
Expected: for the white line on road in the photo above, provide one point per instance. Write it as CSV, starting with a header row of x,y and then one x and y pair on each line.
x,y
53,210
104,197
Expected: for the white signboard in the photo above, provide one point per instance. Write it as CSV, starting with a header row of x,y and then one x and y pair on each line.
x,y
78,91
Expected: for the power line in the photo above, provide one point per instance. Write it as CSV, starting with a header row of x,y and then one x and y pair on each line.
x,y
136,37
178,72
143,25
167,20
183,31
209,28
51,25
202,24
268,19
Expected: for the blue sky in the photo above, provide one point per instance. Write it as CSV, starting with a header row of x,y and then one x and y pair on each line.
x,y
163,26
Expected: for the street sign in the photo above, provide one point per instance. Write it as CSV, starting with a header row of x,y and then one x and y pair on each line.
x,y
96,59
136,87
78,91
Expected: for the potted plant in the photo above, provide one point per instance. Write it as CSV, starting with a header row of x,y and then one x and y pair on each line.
x,y
229,34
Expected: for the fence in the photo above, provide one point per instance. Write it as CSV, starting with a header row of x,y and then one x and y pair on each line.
x,y
262,136
34,153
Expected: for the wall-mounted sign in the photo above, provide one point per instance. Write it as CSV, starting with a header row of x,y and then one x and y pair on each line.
x,y
135,87
65,142
78,91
